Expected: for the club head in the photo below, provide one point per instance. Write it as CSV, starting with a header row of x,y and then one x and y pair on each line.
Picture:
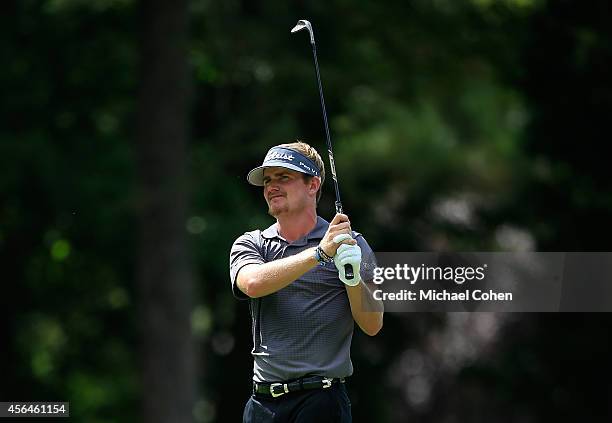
x,y
303,23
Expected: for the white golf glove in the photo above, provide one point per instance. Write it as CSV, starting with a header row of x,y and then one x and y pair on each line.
x,y
347,254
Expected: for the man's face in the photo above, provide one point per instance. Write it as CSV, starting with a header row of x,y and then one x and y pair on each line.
x,y
286,191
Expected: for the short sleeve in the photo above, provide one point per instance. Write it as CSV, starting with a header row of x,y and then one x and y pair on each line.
x,y
368,259
245,250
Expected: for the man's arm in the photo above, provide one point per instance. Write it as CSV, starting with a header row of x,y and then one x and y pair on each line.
x,y
257,280
367,312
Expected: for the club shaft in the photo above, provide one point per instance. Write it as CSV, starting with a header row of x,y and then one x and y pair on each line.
x,y
348,269
332,165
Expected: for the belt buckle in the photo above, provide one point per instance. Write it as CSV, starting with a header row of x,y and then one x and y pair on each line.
x,y
327,383
278,385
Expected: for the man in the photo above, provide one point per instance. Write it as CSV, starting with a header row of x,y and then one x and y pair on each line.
x,y
303,306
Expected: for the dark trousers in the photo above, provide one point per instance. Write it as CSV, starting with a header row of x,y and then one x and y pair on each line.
x,y
316,405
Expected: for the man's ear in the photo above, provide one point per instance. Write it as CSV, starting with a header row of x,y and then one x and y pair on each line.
x,y
315,183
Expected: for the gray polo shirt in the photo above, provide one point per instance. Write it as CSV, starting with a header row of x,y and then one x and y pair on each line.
x,y
306,327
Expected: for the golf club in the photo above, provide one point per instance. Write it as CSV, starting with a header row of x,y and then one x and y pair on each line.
x,y
302,23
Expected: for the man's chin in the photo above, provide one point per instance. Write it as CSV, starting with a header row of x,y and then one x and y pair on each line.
x,y
276,211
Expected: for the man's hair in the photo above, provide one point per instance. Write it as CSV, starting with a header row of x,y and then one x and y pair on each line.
x,y
308,151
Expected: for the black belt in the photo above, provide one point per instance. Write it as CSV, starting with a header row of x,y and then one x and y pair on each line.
x,y
281,388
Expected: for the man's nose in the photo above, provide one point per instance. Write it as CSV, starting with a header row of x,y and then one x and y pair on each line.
x,y
272,187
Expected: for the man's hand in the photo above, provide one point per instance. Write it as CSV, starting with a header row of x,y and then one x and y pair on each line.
x,y
348,254
340,224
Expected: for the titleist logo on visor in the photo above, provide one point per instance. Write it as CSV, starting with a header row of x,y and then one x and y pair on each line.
x,y
293,157
277,155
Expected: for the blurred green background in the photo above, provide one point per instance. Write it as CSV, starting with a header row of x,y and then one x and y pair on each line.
x,y
127,131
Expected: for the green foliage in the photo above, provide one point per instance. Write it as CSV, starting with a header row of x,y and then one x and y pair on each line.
x,y
453,122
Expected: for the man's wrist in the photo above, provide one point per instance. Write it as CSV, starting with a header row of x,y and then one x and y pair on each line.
x,y
321,256
354,287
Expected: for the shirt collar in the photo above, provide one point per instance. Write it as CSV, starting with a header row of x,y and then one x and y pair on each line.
x,y
317,233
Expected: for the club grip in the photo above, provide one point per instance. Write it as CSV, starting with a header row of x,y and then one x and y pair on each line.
x,y
348,271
